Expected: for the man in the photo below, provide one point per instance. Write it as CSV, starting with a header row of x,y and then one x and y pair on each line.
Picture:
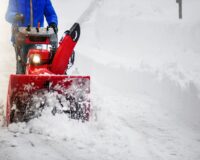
x,y
22,13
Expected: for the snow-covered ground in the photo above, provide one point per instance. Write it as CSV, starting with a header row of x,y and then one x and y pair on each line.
x,y
145,75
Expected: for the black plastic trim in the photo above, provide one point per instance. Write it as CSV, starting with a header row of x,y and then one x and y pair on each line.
x,y
74,32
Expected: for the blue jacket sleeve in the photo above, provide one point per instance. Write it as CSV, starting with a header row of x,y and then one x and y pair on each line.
x,y
11,11
50,13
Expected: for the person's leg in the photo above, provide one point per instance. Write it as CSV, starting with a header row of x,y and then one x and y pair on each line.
x,y
19,65
21,57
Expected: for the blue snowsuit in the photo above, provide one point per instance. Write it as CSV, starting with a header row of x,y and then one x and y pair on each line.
x,y
33,11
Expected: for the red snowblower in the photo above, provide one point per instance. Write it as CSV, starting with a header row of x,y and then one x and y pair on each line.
x,y
46,79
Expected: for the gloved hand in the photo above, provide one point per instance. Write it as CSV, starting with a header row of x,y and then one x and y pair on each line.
x,y
54,26
19,17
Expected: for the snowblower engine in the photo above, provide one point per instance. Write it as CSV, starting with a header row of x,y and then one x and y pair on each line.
x,y
45,83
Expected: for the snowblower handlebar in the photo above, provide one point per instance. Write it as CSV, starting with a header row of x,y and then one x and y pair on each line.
x,y
36,31
35,35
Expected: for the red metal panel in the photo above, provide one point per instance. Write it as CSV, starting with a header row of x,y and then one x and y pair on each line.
x,y
62,56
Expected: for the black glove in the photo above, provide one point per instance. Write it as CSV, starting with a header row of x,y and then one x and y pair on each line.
x,y
19,17
54,26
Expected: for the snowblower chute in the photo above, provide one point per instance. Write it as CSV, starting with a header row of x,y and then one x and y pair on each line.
x,y
45,78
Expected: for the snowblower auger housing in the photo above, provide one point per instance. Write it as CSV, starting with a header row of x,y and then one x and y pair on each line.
x,y
28,94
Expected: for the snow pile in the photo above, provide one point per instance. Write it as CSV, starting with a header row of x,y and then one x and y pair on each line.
x,y
149,35
142,47
136,127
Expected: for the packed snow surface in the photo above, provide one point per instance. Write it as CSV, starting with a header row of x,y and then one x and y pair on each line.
x,y
145,85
